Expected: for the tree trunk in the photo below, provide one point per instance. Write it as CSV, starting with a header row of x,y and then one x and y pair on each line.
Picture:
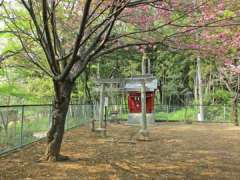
x,y
235,110
55,134
235,104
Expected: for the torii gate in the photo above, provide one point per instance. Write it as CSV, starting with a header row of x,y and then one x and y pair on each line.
x,y
142,80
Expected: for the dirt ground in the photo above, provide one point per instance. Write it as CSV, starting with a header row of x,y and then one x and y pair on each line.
x,y
176,151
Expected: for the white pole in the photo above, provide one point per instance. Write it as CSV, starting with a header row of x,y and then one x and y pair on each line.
x,y
101,108
149,66
200,89
144,64
199,75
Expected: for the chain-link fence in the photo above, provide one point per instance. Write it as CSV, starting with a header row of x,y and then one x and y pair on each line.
x,y
117,112
190,113
112,112
21,125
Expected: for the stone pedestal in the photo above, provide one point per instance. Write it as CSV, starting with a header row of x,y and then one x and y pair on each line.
x,y
136,118
101,132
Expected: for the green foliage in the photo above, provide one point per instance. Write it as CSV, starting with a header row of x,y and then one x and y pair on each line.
x,y
220,96
228,14
41,87
13,90
175,69
212,113
178,114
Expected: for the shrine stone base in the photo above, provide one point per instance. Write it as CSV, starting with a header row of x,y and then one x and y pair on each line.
x,y
136,118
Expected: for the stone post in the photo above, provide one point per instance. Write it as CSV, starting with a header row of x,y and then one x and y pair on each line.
x,y
143,132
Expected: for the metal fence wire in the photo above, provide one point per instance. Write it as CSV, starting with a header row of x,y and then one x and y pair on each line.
x,y
24,124
212,113
188,113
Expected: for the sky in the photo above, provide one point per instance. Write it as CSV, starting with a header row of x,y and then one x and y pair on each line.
x,y
2,40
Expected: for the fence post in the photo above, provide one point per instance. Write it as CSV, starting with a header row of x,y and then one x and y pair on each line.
x,y
224,111
21,131
49,116
105,117
69,114
185,114
167,112
92,111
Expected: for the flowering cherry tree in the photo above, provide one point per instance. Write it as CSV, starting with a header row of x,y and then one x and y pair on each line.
x,y
219,39
62,37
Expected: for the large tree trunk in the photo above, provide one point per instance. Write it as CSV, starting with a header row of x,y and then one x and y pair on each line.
x,y
235,110
55,134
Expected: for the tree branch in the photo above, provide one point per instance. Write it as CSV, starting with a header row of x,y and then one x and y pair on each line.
x,y
49,45
9,54
78,40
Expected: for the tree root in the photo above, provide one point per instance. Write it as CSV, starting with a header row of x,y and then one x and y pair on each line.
x,y
58,158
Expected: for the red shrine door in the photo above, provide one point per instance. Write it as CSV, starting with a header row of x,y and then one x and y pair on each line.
x,y
134,102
